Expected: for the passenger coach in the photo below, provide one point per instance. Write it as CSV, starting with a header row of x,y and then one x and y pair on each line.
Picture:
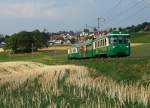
x,y
115,43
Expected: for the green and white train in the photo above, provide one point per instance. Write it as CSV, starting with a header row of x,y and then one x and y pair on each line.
x,y
115,43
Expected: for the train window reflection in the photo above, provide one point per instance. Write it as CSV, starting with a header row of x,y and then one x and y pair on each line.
x,y
118,39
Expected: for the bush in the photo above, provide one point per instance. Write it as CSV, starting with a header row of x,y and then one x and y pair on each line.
x,y
26,42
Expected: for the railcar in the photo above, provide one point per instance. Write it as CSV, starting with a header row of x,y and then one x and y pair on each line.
x,y
115,43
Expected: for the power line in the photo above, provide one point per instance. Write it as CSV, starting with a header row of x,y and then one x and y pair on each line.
x,y
126,10
129,16
98,19
109,11
115,6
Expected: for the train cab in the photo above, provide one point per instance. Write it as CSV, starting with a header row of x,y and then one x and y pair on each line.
x,y
119,44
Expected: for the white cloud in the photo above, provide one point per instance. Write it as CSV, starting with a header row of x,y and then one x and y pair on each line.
x,y
27,10
51,9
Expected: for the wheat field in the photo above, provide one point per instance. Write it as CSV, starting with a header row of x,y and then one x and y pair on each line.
x,y
35,85
1,50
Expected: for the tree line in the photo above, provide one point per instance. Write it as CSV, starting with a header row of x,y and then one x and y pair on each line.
x,y
25,42
143,27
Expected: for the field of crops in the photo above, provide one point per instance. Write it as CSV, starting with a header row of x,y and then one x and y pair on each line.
x,y
35,85
1,50
141,37
47,79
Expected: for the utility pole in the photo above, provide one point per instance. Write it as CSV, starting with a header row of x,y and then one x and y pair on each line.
x,y
32,47
32,50
98,19
86,26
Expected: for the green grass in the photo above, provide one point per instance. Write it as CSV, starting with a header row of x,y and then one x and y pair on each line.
x,y
36,93
136,67
31,93
119,69
141,51
45,57
141,37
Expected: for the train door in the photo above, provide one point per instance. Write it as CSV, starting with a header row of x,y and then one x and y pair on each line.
x,y
83,50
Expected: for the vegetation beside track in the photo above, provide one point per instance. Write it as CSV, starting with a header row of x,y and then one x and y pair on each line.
x,y
140,37
136,67
35,85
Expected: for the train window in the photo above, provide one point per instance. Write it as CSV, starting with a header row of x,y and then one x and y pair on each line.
x,y
68,51
89,47
98,43
74,50
83,48
95,44
101,42
118,39
122,39
113,40
105,41
125,39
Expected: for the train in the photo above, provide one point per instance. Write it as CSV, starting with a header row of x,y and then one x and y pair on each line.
x,y
112,44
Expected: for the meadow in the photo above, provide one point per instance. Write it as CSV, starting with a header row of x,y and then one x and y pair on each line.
x,y
47,79
135,67
35,85
141,37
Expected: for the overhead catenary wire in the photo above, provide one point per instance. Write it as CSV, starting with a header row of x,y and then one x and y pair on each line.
x,y
109,11
111,17
114,7
129,16
118,15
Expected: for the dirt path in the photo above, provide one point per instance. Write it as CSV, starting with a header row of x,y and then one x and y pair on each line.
x,y
139,44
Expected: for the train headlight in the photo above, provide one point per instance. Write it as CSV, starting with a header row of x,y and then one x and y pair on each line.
x,y
114,47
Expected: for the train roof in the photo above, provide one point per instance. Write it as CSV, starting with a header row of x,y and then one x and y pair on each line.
x,y
113,33
123,33
88,42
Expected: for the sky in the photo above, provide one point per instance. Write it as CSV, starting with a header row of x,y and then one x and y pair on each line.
x,y
59,15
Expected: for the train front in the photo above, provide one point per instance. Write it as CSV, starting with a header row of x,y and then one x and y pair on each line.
x,y
119,44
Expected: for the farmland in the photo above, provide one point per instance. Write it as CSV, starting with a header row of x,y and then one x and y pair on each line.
x,y
135,67
47,79
34,85
141,37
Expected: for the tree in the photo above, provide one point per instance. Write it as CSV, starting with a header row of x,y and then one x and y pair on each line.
x,y
2,38
95,29
86,30
72,40
26,41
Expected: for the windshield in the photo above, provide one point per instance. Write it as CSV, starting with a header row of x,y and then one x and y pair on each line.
x,y
118,39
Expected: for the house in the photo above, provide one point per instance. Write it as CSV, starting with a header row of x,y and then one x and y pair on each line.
x,y
59,42
2,43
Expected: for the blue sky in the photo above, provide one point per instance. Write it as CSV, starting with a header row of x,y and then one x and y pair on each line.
x,y
55,15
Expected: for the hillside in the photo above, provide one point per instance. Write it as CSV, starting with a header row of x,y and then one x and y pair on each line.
x,y
141,37
43,86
